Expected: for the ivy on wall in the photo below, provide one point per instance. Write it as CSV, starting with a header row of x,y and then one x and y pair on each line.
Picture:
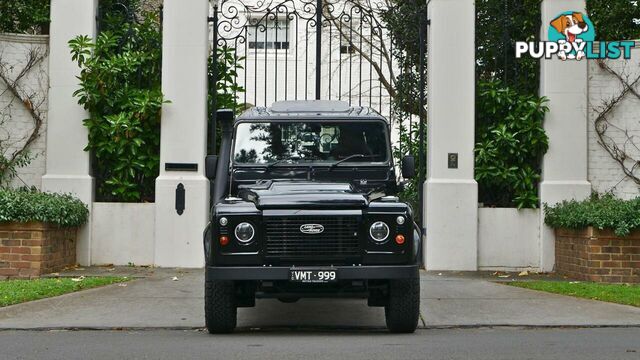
x,y
15,152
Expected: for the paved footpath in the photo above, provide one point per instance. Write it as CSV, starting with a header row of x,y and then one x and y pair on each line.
x,y
157,301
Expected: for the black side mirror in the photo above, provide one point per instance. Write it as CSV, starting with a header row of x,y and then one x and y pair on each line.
x,y
408,167
211,166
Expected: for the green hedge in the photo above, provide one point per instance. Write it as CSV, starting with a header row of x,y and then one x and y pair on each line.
x,y
24,16
58,209
602,212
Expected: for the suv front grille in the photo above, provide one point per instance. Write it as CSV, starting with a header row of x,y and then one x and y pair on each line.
x,y
338,241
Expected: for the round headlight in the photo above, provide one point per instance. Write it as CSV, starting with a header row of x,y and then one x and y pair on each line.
x,y
244,232
379,231
224,221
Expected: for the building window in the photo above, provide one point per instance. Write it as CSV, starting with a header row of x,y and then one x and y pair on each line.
x,y
268,34
346,47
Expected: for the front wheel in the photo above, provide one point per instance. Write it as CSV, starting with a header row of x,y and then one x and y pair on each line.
x,y
220,306
403,310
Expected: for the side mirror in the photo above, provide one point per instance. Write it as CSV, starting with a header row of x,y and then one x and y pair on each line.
x,y
211,166
408,167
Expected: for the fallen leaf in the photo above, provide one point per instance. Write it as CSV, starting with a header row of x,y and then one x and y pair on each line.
x,y
524,273
503,276
77,279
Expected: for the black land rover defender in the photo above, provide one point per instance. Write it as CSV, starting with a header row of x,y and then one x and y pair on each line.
x,y
304,205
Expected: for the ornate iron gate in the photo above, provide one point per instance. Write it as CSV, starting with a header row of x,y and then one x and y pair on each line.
x,y
271,50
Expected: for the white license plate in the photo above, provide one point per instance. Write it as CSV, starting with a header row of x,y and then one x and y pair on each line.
x,y
313,276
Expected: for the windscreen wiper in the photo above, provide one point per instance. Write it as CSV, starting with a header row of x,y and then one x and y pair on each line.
x,y
273,164
350,157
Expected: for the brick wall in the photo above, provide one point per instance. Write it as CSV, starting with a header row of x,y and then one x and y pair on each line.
x,y
33,249
594,255
15,122
604,173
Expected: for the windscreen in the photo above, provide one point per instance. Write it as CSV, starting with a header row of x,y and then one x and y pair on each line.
x,y
311,142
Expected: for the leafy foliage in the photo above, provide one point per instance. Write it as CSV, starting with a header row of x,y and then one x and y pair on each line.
x,y
601,212
615,20
28,205
223,68
403,19
24,16
120,86
409,145
510,144
499,25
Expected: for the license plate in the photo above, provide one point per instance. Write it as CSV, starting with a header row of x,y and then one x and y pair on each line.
x,y
313,276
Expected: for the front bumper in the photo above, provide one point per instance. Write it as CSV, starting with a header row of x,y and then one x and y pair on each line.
x,y
274,273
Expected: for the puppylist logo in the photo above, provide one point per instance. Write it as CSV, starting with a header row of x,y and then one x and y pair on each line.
x,y
572,37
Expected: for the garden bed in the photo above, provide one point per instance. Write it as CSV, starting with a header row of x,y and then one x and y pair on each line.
x,y
38,232
597,239
32,249
598,255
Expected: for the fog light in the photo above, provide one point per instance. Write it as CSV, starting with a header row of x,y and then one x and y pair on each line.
x,y
224,240
400,239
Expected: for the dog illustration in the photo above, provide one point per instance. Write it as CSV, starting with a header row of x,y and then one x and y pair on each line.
x,y
571,26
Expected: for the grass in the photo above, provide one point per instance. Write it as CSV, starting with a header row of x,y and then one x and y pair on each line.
x,y
19,291
620,294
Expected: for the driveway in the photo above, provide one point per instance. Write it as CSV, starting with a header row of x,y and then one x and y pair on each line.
x,y
173,299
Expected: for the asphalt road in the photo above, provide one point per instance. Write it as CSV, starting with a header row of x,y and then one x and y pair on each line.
x,y
481,343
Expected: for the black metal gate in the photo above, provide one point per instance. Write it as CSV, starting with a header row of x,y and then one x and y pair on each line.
x,y
271,50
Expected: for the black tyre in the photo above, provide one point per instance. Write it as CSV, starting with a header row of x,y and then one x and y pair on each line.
x,y
403,310
220,307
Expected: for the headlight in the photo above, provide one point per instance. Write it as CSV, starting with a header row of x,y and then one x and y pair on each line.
x,y
379,231
244,232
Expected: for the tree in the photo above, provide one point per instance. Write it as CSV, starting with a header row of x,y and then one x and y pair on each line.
x,y
615,20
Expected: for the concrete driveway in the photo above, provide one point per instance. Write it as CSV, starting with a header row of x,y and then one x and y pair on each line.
x,y
158,301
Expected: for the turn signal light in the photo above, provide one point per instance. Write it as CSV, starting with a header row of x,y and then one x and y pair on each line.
x,y
399,239
224,240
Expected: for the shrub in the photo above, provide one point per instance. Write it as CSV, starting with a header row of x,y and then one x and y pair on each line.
x,y
615,20
28,205
24,16
409,144
120,86
601,212
511,141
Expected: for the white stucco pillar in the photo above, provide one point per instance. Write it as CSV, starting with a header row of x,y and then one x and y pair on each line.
x,y
451,205
564,170
184,129
68,165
